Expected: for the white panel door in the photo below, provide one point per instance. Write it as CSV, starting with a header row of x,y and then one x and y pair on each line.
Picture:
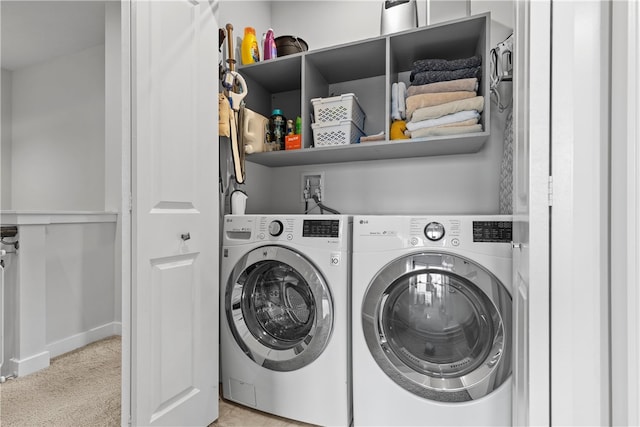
x,y
174,368
532,101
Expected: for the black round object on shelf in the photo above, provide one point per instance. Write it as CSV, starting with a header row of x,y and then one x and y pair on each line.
x,y
287,45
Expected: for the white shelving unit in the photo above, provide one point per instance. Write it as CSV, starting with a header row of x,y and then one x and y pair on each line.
x,y
367,68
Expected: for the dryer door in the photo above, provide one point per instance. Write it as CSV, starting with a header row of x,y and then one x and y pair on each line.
x,y
439,326
279,308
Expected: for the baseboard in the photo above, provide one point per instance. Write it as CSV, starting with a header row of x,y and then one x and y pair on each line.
x,y
30,364
79,340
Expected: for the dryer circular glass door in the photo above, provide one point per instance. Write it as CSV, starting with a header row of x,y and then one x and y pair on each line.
x,y
439,326
279,308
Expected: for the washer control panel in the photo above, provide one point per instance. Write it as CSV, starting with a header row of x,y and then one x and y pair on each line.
x,y
317,232
306,230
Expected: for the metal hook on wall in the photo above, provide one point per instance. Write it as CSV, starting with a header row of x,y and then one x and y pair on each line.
x,y
501,58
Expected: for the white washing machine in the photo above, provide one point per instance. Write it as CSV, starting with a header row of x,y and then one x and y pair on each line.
x,y
285,315
432,320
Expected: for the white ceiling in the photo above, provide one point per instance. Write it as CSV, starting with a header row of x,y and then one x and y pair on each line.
x,y
36,31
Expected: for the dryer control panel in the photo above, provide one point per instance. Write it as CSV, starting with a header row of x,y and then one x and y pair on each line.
x,y
493,231
471,232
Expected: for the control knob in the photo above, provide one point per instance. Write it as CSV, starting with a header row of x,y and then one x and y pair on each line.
x,y
434,231
276,228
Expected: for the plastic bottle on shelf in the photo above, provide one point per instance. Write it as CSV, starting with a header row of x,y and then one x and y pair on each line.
x,y
298,125
249,49
277,128
269,47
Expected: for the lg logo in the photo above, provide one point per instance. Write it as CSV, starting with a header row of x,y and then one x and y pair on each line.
x,y
334,260
364,221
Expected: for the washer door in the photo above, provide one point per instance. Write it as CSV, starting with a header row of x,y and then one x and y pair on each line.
x,y
439,326
279,308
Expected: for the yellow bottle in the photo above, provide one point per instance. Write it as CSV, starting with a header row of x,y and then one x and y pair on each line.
x,y
249,49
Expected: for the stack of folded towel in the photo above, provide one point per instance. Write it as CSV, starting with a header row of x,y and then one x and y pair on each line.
x,y
442,98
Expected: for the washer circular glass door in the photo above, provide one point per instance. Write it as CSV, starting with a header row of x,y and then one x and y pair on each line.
x,y
279,308
439,326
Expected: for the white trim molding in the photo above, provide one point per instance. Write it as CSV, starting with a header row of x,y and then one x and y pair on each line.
x,y
580,134
625,214
80,340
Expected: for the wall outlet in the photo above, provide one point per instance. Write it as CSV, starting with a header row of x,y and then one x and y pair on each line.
x,y
312,183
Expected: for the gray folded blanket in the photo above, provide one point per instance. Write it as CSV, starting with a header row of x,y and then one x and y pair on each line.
x,y
426,77
444,64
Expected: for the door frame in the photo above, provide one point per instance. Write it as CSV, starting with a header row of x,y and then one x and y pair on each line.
x,y
625,213
125,210
531,220
580,240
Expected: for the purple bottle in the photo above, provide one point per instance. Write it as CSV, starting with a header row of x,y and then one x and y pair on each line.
x,y
269,49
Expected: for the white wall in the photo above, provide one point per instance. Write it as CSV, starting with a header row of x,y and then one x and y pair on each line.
x,y
5,147
58,134
80,295
451,184
327,23
241,14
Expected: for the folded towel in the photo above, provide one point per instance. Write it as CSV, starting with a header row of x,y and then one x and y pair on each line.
x,y
449,118
444,64
395,114
469,122
440,76
430,99
402,94
446,130
425,113
469,85
370,138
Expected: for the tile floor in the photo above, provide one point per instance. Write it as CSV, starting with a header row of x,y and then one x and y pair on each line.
x,y
233,415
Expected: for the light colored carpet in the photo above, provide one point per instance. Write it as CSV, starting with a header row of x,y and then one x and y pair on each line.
x,y
80,388
234,415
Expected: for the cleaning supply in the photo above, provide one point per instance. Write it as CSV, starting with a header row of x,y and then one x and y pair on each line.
x,y
293,141
269,46
298,125
277,128
253,127
249,49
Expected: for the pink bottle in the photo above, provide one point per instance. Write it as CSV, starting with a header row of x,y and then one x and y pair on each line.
x,y
269,49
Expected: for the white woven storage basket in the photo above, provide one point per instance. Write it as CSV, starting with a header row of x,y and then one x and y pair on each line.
x,y
342,133
337,109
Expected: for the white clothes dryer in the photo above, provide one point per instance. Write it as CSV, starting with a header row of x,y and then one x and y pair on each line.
x,y
285,315
432,320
